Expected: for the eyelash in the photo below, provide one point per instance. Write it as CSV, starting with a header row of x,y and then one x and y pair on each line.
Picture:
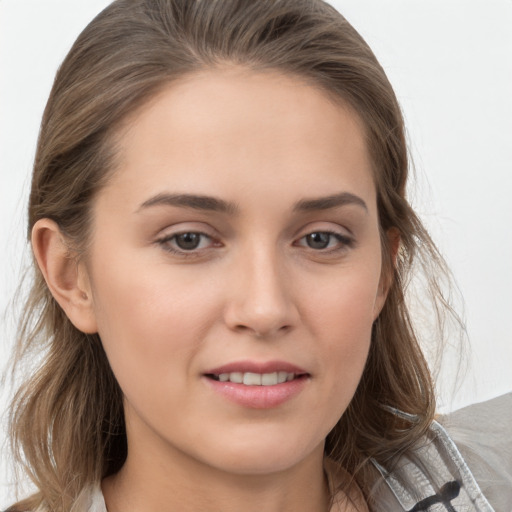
x,y
345,242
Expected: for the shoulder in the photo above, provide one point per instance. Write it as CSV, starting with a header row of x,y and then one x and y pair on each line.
x,y
483,434
465,460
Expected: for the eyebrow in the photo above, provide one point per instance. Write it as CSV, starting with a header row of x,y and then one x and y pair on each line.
x,y
196,202
214,204
328,202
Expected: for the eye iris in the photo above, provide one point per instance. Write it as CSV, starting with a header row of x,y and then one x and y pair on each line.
x,y
318,240
188,241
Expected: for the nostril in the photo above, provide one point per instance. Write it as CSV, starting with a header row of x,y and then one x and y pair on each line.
x,y
262,333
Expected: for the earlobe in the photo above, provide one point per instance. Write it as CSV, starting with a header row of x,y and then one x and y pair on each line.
x,y
66,279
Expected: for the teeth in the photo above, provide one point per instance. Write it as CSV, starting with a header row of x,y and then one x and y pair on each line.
x,y
256,379
269,379
252,379
237,377
282,376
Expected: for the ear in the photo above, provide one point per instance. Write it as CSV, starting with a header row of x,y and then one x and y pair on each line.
x,y
66,278
392,245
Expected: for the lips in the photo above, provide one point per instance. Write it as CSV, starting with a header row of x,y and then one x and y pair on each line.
x,y
257,385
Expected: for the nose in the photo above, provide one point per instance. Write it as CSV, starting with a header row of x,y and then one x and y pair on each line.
x,y
261,299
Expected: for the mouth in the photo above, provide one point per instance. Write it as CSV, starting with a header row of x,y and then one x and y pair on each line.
x,y
257,379
257,385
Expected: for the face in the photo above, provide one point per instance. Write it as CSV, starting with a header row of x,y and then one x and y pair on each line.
x,y
235,269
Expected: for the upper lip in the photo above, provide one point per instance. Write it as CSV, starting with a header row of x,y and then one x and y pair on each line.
x,y
256,367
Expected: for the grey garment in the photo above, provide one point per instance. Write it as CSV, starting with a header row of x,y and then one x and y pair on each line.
x,y
464,464
483,434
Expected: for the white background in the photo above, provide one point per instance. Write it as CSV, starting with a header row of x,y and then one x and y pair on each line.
x,y
450,62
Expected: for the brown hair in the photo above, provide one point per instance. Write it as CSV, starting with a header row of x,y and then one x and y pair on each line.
x,y
67,421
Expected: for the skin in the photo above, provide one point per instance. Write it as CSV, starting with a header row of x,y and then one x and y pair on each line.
x,y
256,288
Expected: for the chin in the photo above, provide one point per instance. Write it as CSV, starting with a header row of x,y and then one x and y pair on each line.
x,y
261,456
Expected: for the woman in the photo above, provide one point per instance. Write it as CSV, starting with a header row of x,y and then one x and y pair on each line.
x,y
222,239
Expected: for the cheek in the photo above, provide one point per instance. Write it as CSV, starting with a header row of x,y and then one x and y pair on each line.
x,y
342,315
151,321
346,321
344,303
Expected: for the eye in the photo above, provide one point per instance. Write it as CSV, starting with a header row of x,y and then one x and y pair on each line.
x,y
186,242
321,240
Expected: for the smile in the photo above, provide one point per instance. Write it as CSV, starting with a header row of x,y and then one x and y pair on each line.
x,y
255,379
257,385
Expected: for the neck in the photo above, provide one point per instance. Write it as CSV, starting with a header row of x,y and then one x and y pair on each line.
x,y
150,482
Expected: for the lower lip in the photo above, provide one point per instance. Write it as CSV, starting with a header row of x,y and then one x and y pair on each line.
x,y
258,397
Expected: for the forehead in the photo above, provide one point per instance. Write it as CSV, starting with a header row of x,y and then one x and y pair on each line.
x,y
223,127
